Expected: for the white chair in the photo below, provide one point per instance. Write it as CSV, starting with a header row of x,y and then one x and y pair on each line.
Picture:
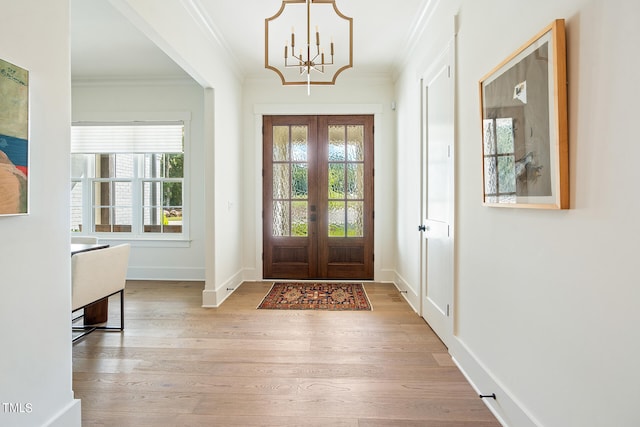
x,y
96,275
84,239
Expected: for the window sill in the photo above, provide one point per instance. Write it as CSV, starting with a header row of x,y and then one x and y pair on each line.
x,y
148,242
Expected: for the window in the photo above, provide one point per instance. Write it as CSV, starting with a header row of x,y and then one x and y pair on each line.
x,y
127,180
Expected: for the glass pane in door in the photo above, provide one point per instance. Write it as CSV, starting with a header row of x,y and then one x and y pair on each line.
x,y
355,181
355,219
281,183
346,180
299,143
336,181
299,181
336,143
280,143
355,143
281,222
337,219
299,225
290,181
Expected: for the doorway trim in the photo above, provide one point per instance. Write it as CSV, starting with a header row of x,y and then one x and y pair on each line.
x,y
255,273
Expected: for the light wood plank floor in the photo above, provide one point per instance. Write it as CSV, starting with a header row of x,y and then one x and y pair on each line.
x,y
178,364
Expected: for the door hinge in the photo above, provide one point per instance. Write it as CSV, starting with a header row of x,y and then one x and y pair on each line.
x,y
448,151
449,71
373,214
263,256
373,257
447,310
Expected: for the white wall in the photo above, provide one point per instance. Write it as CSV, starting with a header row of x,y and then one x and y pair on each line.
x,y
372,95
408,209
157,100
547,300
173,29
35,307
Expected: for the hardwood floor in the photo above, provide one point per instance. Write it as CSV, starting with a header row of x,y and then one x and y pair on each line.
x,y
178,364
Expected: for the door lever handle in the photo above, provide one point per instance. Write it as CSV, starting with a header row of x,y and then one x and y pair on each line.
x,y
422,228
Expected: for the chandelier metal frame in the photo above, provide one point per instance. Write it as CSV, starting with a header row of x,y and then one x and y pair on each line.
x,y
310,58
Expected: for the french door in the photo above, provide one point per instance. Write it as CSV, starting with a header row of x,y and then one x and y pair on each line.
x,y
318,197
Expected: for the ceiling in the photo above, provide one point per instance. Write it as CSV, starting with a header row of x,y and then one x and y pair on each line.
x,y
106,45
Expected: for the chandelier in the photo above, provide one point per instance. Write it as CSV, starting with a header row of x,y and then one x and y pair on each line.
x,y
310,60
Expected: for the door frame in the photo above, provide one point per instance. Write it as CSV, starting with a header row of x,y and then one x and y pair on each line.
x,y
255,272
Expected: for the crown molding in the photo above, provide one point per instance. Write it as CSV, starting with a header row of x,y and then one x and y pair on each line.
x,y
203,19
416,31
135,80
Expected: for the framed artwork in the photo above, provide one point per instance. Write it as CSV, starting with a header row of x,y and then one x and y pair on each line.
x,y
14,139
525,147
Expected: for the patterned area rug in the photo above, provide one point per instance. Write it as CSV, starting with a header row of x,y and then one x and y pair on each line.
x,y
316,296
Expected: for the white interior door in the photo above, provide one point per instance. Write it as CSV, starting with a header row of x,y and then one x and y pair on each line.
x,y
438,197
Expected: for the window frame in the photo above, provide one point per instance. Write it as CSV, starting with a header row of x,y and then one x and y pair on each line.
x,y
137,233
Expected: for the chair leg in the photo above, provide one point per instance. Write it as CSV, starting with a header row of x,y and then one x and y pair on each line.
x,y
116,328
122,310
88,329
85,332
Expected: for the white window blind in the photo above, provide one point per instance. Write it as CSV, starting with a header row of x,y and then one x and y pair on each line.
x,y
163,137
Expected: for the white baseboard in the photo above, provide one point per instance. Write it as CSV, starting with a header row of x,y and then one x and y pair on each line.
x,y
70,416
407,292
251,275
385,275
214,297
507,409
166,273
254,275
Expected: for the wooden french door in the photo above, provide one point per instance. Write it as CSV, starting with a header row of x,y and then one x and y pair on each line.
x,y
318,197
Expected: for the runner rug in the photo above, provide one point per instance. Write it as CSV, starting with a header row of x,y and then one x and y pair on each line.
x,y
316,296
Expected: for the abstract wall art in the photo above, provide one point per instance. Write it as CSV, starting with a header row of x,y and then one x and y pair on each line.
x,y
14,139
